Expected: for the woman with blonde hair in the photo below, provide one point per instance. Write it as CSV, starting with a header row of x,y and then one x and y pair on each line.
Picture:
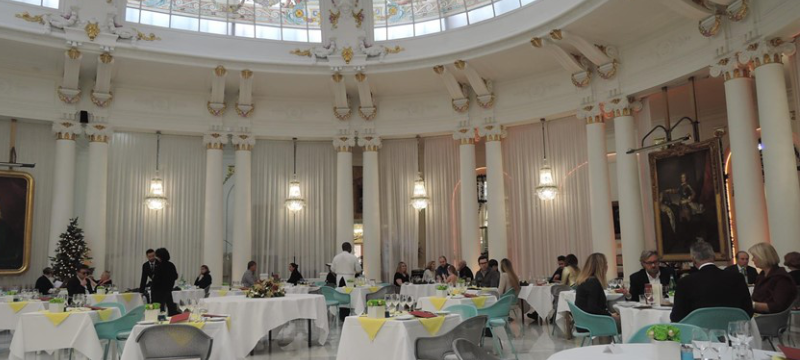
x,y
401,274
590,295
508,278
775,290
452,275
429,276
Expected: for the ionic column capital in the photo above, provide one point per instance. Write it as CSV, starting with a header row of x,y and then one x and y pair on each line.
x,y
344,141
243,141
492,130
99,132
622,106
592,113
766,52
730,68
216,139
369,140
66,130
464,133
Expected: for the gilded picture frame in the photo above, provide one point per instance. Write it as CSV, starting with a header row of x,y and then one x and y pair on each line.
x,y
688,200
16,221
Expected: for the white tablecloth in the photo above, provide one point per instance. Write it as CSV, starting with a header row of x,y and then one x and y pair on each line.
x,y
35,332
9,318
539,298
252,319
220,350
426,304
135,299
223,293
7,298
300,289
358,297
395,340
633,319
418,291
629,352
184,295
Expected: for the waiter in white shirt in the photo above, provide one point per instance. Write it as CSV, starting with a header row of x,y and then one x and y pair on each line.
x,y
345,265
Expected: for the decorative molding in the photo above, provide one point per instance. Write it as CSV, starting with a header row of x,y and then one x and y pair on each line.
x,y
460,105
146,37
66,130
242,140
334,18
395,50
106,58
246,74
492,130
99,132
215,139
710,26
737,10
244,110
622,106
343,141
485,101
358,17
342,114
590,112
347,54
464,133
69,96
369,140
299,52
73,53
608,71
581,79
216,109
100,99
92,30
368,113
766,52
220,70
31,18
730,68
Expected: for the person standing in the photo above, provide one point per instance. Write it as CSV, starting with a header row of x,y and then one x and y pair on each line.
x,y
45,283
345,265
148,269
742,267
250,276
163,281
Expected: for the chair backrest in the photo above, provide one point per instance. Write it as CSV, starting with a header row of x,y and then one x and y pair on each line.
x,y
174,341
466,311
773,325
510,292
640,336
494,293
108,330
435,348
468,350
114,305
331,294
596,325
498,310
715,317
380,294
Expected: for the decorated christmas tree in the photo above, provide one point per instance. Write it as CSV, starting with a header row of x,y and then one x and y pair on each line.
x,y
71,252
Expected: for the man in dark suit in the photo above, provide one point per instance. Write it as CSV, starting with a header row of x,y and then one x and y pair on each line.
x,y
743,268
79,284
650,271
562,261
45,282
709,286
148,270
441,271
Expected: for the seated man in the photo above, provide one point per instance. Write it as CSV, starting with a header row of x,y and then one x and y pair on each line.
x,y
464,272
486,277
79,284
650,272
250,276
709,286
562,261
441,271
743,267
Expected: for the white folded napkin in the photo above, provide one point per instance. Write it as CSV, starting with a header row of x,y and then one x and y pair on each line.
x,y
612,349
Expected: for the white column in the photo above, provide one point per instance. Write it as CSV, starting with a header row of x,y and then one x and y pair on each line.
x,y
213,246
344,188
496,190
780,167
600,192
630,196
97,183
470,242
748,181
64,188
242,212
372,216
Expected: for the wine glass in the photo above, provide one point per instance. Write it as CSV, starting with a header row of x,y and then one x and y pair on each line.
x,y
718,341
739,335
700,341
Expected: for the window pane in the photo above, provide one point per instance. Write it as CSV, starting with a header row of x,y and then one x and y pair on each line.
x,y
380,34
379,14
402,31
32,2
504,6
50,3
244,30
480,14
268,32
315,36
295,35
399,13
314,17
425,10
450,7
526,2
427,27
132,15
156,5
455,21
155,18
214,27
185,23
243,18
189,8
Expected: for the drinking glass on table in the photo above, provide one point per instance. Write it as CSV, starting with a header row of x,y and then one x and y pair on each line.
x,y
700,341
740,337
718,342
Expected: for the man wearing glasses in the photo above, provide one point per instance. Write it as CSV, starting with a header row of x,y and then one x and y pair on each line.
x,y
486,277
79,284
650,273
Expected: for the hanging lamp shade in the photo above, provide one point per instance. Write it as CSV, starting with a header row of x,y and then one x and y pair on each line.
x,y
546,189
156,199
419,199
295,201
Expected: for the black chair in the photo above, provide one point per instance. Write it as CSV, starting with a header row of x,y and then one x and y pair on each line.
x,y
174,342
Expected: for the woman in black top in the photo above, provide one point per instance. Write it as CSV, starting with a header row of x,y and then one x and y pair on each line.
x,y
295,276
590,296
792,262
203,280
401,276
163,282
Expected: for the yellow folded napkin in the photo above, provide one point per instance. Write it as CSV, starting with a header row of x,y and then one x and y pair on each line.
x,y
348,290
433,325
104,315
373,288
98,298
479,301
371,326
17,306
197,324
228,323
128,297
222,292
57,318
437,302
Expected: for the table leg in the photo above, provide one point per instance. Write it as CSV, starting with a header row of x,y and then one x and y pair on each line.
x,y
270,341
309,332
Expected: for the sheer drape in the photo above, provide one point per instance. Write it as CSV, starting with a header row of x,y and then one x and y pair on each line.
x,y
280,236
132,227
442,218
35,143
399,221
539,231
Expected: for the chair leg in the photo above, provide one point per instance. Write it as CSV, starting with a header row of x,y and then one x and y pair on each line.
x,y
498,347
105,350
770,343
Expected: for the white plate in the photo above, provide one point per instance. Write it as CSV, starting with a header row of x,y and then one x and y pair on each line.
x,y
457,297
442,312
213,319
404,317
148,322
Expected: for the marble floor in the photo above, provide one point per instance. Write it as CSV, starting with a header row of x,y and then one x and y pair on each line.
x,y
535,344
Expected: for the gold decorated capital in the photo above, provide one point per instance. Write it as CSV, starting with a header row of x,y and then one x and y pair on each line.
x,y
460,64
220,70
596,119
337,77
494,137
536,42
243,147
246,74
361,77
342,149
555,34
215,146
65,136
439,69
98,138
73,53
467,141
371,148
106,58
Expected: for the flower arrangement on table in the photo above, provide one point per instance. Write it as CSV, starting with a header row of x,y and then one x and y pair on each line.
x,y
441,287
151,311
100,289
153,306
265,289
667,341
11,292
56,305
664,333
376,308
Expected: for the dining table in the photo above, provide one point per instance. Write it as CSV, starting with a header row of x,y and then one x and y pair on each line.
x,y
631,352
434,303
186,295
417,291
365,338
222,348
225,292
129,300
11,311
539,297
358,296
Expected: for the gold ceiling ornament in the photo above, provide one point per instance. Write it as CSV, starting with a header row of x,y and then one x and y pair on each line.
x,y
439,69
30,18
342,117
333,17
106,58
369,117
740,13
584,82
713,30
220,70
536,42
299,52
460,64
487,104
460,109
68,99
73,53
358,17
146,37
555,34
361,76
776,42
395,50
347,54
92,30
102,103
337,77
244,113
246,74
216,112
609,73
602,48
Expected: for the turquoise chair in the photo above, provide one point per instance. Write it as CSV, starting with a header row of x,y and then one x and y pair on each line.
x,y
594,325
640,337
114,305
466,311
335,298
511,293
118,329
716,318
498,315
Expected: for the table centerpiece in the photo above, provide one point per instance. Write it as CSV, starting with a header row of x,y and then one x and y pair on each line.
x,y
268,288
376,309
56,305
667,341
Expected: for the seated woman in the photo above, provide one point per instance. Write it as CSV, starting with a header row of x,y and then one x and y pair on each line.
x,y
792,262
452,275
203,281
295,276
429,276
775,291
569,276
508,278
105,279
401,274
590,295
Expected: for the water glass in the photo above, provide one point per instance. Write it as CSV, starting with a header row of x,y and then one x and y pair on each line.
x,y
740,337
700,341
718,343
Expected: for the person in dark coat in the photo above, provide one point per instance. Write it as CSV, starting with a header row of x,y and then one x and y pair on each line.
x,y
792,262
45,282
203,281
148,269
295,276
650,271
79,284
742,267
163,282
775,290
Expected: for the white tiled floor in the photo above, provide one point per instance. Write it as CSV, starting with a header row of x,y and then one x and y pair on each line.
x,y
536,344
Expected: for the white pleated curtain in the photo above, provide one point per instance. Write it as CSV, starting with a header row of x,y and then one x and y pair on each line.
x,y
539,230
280,236
397,171
442,180
35,143
132,227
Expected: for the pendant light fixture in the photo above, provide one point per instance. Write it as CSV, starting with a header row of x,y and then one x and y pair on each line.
x,y
547,189
295,201
155,199
419,198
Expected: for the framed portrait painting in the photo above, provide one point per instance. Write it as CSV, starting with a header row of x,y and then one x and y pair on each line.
x,y
688,199
16,217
